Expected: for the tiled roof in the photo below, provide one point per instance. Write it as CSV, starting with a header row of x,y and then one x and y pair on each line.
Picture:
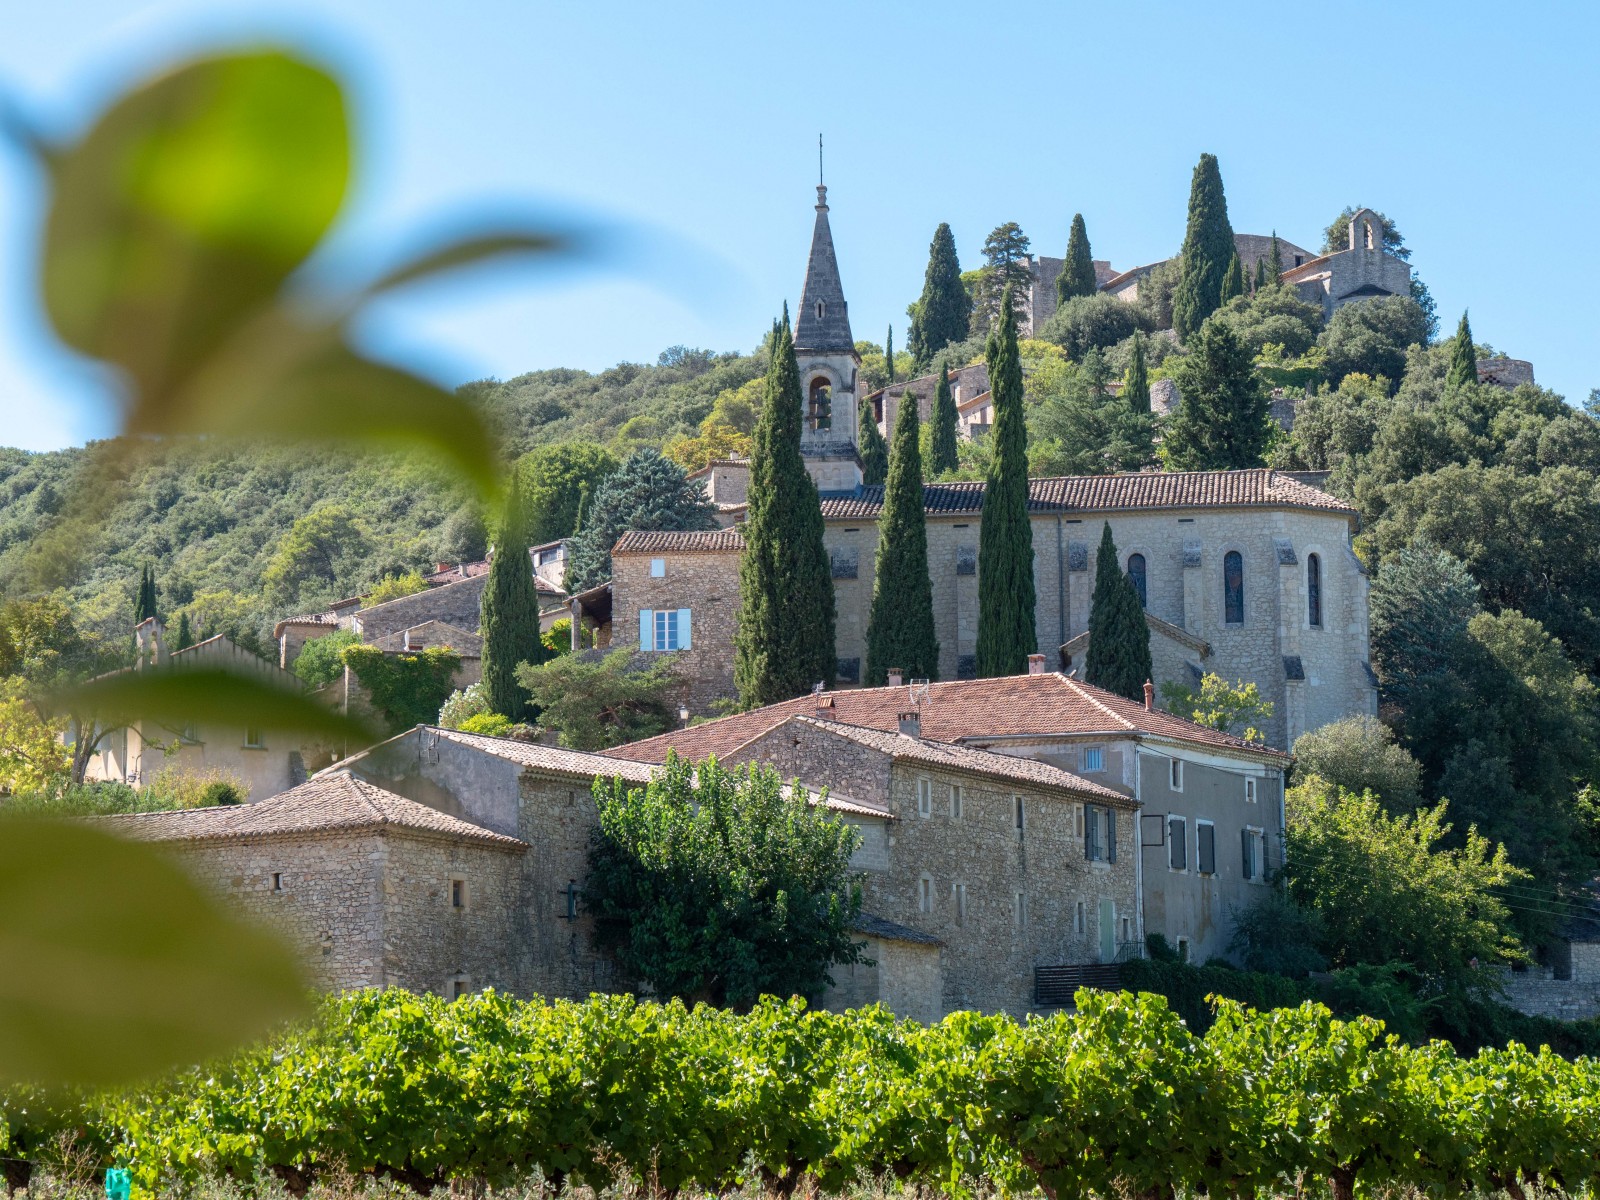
x,y
706,541
1257,488
961,710
578,763
718,462
318,619
870,925
334,801
471,570
1009,767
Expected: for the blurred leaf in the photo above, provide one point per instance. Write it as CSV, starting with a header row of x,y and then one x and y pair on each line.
x,y
185,208
467,252
117,966
176,696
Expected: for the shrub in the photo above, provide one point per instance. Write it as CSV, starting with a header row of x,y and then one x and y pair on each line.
x,y
489,723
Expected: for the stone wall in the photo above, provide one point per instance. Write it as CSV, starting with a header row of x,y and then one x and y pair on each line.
x,y
904,976
1539,993
704,582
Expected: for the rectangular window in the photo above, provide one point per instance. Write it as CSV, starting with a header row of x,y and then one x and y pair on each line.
x,y
1079,922
658,568
1019,815
958,893
1127,929
664,629
1100,833
459,988
1175,774
1077,810
925,894
277,881
1249,790
924,797
458,893
1252,845
1020,910
1178,843
1094,758
1205,847
1183,949
956,802
252,739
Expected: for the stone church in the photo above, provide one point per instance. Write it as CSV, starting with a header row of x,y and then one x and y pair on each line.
x,y
1248,574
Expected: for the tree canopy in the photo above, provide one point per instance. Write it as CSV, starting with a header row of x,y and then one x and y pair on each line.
x,y
647,492
1119,640
1223,422
942,315
1207,250
593,701
1077,276
900,631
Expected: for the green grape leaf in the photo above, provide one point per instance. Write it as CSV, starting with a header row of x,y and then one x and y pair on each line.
x,y
471,251
185,208
118,966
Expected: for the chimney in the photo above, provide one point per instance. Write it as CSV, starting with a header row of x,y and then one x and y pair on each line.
x,y
413,641
1035,664
896,677
440,568
824,708
911,723
1149,696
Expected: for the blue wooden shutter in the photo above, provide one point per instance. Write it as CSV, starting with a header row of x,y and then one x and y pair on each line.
x,y
647,629
683,629
1111,835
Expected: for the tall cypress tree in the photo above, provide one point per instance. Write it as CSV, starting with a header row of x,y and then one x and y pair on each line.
x,y
185,633
1232,279
1006,634
1136,383
510,614
943,455
1275,259
1261,273
900,629
784,644
874,450
1119,640
144,606
1463,358
888,353
1077,271
943,314
1207,247
1223,422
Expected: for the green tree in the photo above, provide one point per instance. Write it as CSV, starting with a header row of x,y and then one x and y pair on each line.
x,y
1463,357
1359,754
648,492
1077,428
1273,316
408,689
1207,248
185,637
1006,597
1087,323
1005,272
785,640
1224,421
888,355
510,613
395,587
1275,262
900,628
464,537
552,479
1119,640
145,608
874,450
1136,383
943,314
318,551
593,705
1371,337
722,885
1232,280
321,660
1077,276
943,445
1235,708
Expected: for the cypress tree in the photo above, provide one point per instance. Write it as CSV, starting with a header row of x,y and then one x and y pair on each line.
x,y
1119,640
144,606
874,450
1232,279
1207,247
888,353
1077,271
944,311
943,455
1463,358
1006,633
1136,383
1261,273
185,634
1275,261
510,613
1224,422
900,629
784,644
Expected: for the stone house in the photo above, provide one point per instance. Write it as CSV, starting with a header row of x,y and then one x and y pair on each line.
x,y
967,384
726,482
1361,271
1568,986
268,761
372,889
439,635
1250,247
1211,822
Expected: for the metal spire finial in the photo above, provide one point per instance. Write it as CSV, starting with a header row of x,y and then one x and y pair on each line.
x,y
819,160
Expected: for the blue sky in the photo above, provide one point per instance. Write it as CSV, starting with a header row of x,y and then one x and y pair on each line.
x,y
690,129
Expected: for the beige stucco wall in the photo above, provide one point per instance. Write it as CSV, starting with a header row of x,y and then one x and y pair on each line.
x,y
136,753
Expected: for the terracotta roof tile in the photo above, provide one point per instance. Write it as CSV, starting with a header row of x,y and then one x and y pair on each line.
x,y
961,710
334,801
1258,488
706,541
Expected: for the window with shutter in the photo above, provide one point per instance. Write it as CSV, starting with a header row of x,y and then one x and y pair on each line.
x,y
1111,835
647,629
1244,849
1314,590
1178,843
1233,587
1205,847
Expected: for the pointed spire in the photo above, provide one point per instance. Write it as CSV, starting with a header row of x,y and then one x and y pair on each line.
x,y
823,323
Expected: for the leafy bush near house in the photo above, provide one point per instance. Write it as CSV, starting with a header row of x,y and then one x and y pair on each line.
x,y
179,786
1235,708
490,723
408,689
321,660
593,702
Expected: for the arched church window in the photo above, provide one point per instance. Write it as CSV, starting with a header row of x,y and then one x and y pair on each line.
x,y
822,308
1314,590
820,408
1136,572
1233,587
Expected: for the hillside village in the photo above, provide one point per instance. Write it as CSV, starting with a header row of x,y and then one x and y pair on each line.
x,y
1026,824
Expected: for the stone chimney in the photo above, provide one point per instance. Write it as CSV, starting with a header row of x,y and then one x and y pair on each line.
x,y
439,568
1149,696
1035,664
911,723
896,677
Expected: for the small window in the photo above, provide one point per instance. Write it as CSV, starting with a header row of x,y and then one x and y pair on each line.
x,y
1233,587
1019,814
1077,810
1136,575
252,739
277,881
459,988
1205,847
924,797
1078,923
1094,758
1020,910
1314,590
1127,930
569,896
658,568
820,409
1175,774
190,734
1100,833
958,895
1178,843
458,893
1183,949
822,308
925,894
662,629
957,802
1249,790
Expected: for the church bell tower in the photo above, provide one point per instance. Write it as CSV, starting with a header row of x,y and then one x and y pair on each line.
x,y
826,354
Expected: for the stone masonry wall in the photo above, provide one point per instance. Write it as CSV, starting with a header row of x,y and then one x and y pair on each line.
x,y
707,584
1539,994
